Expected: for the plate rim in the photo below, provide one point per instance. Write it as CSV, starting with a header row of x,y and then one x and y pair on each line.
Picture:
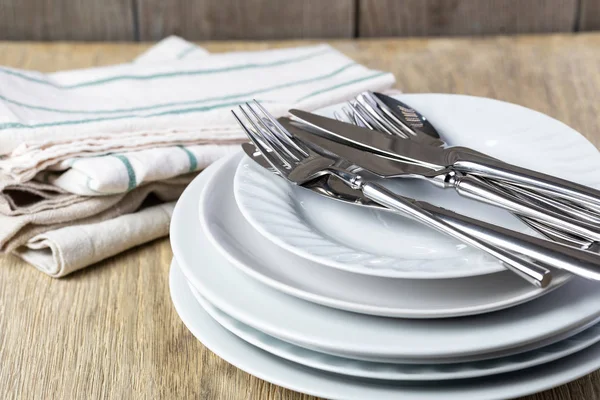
x,y
475,371
306,380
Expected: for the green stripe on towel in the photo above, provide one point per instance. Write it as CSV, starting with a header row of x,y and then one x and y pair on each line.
x,y
189,102
130,172
165,74
18,125
191,157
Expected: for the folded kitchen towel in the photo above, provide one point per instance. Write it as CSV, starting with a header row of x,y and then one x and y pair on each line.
x,y
48,118
17,230
31,197
68,249
113,131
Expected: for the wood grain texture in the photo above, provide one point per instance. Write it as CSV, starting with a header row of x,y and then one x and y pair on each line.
x,y
255,19
589,15
110,331
381,18
66,20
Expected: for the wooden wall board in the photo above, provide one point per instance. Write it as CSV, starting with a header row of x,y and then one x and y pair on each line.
x,y
250,19
67,20
382,18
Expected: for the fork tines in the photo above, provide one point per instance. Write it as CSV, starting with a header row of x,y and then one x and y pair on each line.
x,y
269,136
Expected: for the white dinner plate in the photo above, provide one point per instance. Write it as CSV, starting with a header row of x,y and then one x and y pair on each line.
x,y
375,242
272,265
334,386
400,372
352,335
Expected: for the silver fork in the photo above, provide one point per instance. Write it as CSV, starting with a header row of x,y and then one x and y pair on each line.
x,y
300,164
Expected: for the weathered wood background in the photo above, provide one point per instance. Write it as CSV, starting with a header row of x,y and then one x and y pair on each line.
x,y
149,20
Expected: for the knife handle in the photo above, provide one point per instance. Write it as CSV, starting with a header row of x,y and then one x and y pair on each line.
x,y
543,183
531,272
475,188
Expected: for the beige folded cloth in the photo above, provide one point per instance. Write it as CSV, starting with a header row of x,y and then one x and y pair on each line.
x,y
65,250
32,197
15,231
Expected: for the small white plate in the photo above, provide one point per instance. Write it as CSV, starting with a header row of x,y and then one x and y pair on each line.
x,y
400,372
334,386
381,243
257,256
522,328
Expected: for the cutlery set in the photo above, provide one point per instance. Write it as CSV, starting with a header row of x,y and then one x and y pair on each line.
x,y
310,147
335,253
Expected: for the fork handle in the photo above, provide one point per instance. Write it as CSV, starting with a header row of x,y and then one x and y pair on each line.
x,y
531,272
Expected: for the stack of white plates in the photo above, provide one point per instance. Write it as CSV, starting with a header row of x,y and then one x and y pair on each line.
x,y
339,301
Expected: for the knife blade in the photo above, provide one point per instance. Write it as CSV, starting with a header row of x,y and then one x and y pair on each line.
x,y
460,159
384,145
381,166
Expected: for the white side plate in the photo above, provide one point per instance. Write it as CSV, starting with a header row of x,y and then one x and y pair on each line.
x,y
258,257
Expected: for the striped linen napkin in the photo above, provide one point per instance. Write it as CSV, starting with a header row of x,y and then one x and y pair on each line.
x,y
108,133
48,118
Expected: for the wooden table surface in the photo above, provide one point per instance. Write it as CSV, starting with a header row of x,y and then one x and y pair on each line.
x,y
110,331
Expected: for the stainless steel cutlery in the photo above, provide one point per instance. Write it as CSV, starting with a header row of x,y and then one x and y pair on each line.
x,y
581,263
415,126
458,159
466,185
420,128
301,164
305,156
401,120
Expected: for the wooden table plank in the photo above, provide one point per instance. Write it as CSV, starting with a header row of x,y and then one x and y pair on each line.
x,y
255,19
110,331
64,20
378,18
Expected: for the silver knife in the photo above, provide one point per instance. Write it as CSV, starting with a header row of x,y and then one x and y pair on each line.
x,y
467,186
456,158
